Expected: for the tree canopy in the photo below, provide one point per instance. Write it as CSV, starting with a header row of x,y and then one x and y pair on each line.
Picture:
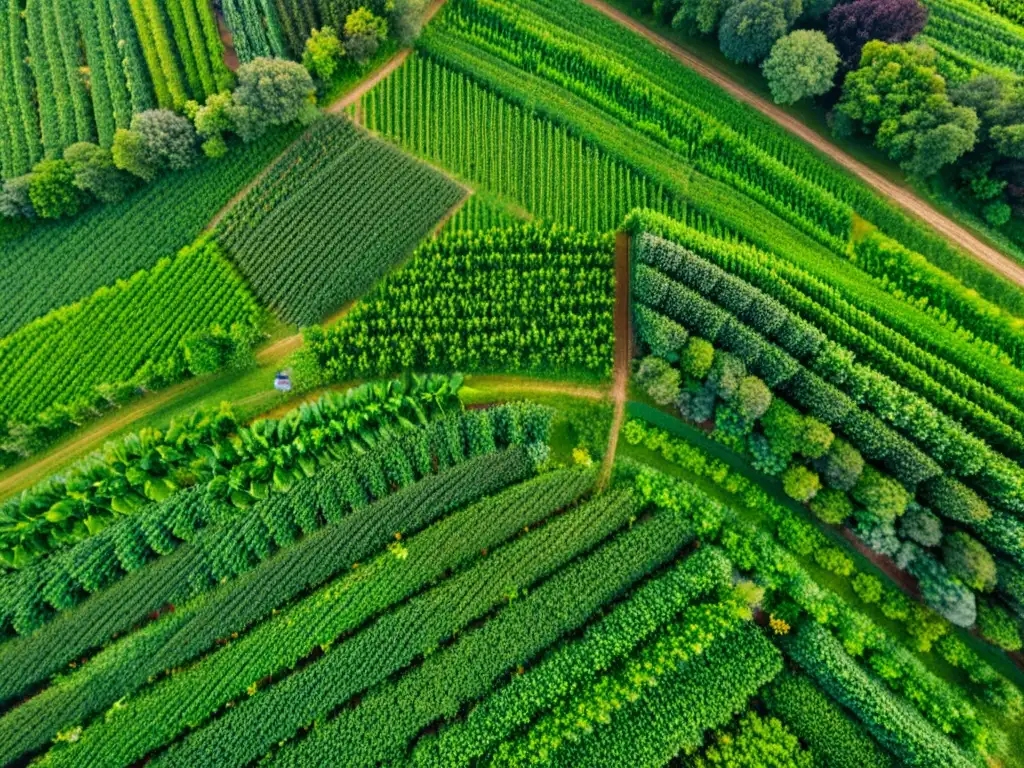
x,y
803,63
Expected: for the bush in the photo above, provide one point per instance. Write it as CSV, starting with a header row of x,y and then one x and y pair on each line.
x,y
52,190
658,379
803,63
750,28
920,525
766,743
364,33
883,498
322,53
842,466
765,459
817,438
726,373
800,483
998,626
95,172
940,590
753,398
14,198
697,358
831,506
272,92
867,587
784,427
968,560
168,139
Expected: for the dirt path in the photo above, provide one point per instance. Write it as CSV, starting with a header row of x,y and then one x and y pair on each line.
x,y
902,197
230,55
537,386
623,353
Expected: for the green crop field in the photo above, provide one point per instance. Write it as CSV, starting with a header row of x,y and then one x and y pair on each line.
x,y
500,383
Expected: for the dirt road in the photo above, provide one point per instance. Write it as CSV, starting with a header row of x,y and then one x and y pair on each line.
x,y
623,353
902,197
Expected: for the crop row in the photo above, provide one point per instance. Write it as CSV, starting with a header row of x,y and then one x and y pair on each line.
x,y
60,262
830,732
28,661
894,724
256,30
981,37
451,120
89,567
927,629
527,41
922,707
110,336
663,700
822,376
157,714
323,244
568,668
388,718
523,298
312,692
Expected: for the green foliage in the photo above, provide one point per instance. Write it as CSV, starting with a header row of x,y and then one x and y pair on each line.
x,y
802,64
753,740
659,379
322,53
96,174
800,483
750,28
828,730
753,398
697,358
52,190
273,92
540,298
342,249
112,242
968,560
63,356
340,605
999,627
897,95
364,32
831,506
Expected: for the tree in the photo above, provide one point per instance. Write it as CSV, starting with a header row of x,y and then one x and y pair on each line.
x,y
898,95
750,28
997,626
212,120
752,398
699,16
169,139
322,53
129,153
803,63
364,32
14,199
883,498
406,20
659,379
52,190
697,358
95,172
842,466
800,483
968,560
852,25
271,92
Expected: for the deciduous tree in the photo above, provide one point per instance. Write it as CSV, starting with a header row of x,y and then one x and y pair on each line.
x,y
803,63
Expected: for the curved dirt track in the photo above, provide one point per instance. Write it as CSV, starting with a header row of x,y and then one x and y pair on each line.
x,y
902,197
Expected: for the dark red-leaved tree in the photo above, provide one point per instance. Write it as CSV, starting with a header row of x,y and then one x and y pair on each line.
x,y
852,25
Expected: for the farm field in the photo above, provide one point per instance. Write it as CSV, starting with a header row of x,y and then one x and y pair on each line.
x,y
494,384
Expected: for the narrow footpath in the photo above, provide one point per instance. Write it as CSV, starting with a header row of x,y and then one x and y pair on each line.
x,y
623,354
904,198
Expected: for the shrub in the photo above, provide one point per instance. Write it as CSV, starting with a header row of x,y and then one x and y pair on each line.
x,y
940,590
14,198
834,560
784,427
697,358
800,483
764,742
831,506
750,28
322,53
998,626
842,466
867,587
765,458
968,560
168,139
95,172
883,498
271,92
803,63
52,190
920,525
659,379
753,398
726,373
364,33
817,438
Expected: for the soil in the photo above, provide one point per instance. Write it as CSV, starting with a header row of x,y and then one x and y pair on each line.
x,y
623,352
906,199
